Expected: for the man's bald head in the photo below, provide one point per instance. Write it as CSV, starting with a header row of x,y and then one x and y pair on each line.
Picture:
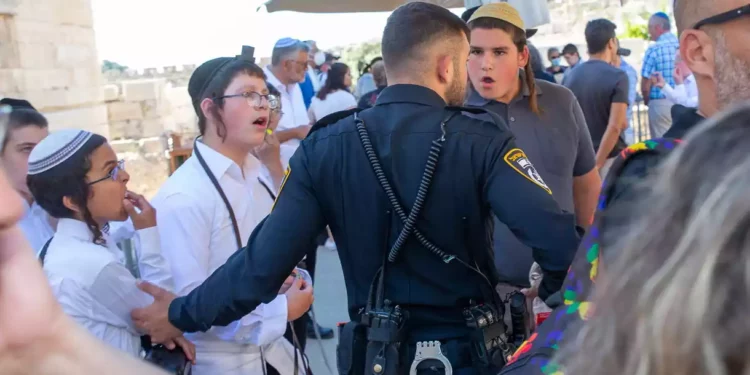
x,y
688,12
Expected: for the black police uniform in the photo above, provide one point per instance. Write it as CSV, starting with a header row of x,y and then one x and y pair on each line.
x,y
330,182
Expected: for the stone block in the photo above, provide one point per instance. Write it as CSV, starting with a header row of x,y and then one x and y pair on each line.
x,y
121,111
139,90
37,55
155,109
153,147
47,79
152,128
92,118
75,55
11,81
8,43
87,75
178,96
128,129
110,92
31,31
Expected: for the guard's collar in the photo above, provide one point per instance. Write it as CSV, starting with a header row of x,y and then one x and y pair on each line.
x,y
415,94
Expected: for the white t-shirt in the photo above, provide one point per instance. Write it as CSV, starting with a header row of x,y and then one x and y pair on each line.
x,y
336,101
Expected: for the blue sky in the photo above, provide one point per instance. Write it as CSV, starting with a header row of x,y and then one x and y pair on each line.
x,y
153,33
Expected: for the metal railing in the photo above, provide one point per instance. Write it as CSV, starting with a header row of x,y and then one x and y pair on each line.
x,y
639,121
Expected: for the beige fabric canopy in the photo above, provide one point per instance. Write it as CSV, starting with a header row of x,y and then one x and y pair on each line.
x,y
534,12
349,6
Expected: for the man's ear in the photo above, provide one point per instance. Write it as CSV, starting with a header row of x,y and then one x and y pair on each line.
x,y
697,51
523,57
207,106
68,203
445,68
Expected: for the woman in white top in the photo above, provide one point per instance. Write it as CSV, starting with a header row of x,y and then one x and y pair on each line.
x,y
335,95
76,177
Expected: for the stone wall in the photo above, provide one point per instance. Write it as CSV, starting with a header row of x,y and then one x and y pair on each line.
x,y
48,56
142,113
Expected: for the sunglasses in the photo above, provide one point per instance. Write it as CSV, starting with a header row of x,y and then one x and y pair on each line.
x,y
724,17
112,174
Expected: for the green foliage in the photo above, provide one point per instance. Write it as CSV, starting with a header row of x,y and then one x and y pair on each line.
x,y
359,55
111,65
634,31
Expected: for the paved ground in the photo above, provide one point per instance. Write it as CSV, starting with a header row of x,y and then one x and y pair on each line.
x,y
329,308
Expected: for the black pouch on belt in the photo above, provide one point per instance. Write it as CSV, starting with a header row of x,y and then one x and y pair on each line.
x,y
350,352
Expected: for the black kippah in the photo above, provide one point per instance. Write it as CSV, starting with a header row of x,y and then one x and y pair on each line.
x,y
206,72
17,103
468,13
202,77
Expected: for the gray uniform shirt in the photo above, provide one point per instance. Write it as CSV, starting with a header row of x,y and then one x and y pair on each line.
x,y
557,142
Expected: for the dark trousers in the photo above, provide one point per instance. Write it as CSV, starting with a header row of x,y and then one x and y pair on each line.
x,y
300,325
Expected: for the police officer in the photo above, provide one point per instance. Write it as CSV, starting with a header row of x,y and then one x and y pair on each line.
x,y
412,280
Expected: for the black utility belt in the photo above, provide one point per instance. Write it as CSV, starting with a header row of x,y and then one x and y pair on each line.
x,y
380,344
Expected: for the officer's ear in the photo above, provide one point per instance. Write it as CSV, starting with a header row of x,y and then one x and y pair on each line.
x,y
445,69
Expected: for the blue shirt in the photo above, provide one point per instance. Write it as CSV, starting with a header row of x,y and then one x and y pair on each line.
x,y
308,90
660,57
632,83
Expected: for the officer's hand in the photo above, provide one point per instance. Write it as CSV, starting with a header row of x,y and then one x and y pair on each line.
x,y
146,218
154,319
302,131
531,293
299,298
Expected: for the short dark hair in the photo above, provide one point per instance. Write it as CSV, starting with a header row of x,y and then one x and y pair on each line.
x,y
412,27
20,118
598,34
570,49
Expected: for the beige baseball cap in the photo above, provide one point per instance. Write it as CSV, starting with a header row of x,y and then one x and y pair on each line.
x,y
504,12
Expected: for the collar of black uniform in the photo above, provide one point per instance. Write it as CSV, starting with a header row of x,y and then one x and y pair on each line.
x,y
474,99
683,119
415,94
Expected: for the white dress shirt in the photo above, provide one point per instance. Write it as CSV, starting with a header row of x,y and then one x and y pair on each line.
x,y
94,287
339,100
295,113
36,226
198,237
685,94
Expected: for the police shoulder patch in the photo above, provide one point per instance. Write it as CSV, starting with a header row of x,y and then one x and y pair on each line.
x,y
518,160
283,182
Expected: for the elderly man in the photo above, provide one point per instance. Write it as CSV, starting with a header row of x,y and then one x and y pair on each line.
x,y
288,68
659,59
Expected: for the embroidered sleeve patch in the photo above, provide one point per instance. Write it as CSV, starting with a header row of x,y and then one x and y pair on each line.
x,y
283,183
518,160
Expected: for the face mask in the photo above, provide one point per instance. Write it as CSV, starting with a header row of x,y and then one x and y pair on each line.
x,y
556,62
320,58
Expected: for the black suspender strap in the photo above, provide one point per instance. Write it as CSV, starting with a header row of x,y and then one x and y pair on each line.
x,y
268,189
215,182
43,253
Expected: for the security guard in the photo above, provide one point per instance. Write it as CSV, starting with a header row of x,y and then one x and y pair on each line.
x,y
408,189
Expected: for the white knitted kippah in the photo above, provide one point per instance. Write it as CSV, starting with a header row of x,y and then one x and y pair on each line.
x,y
56,148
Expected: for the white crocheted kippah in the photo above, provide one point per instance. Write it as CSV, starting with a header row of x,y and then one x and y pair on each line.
x,y
56,148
